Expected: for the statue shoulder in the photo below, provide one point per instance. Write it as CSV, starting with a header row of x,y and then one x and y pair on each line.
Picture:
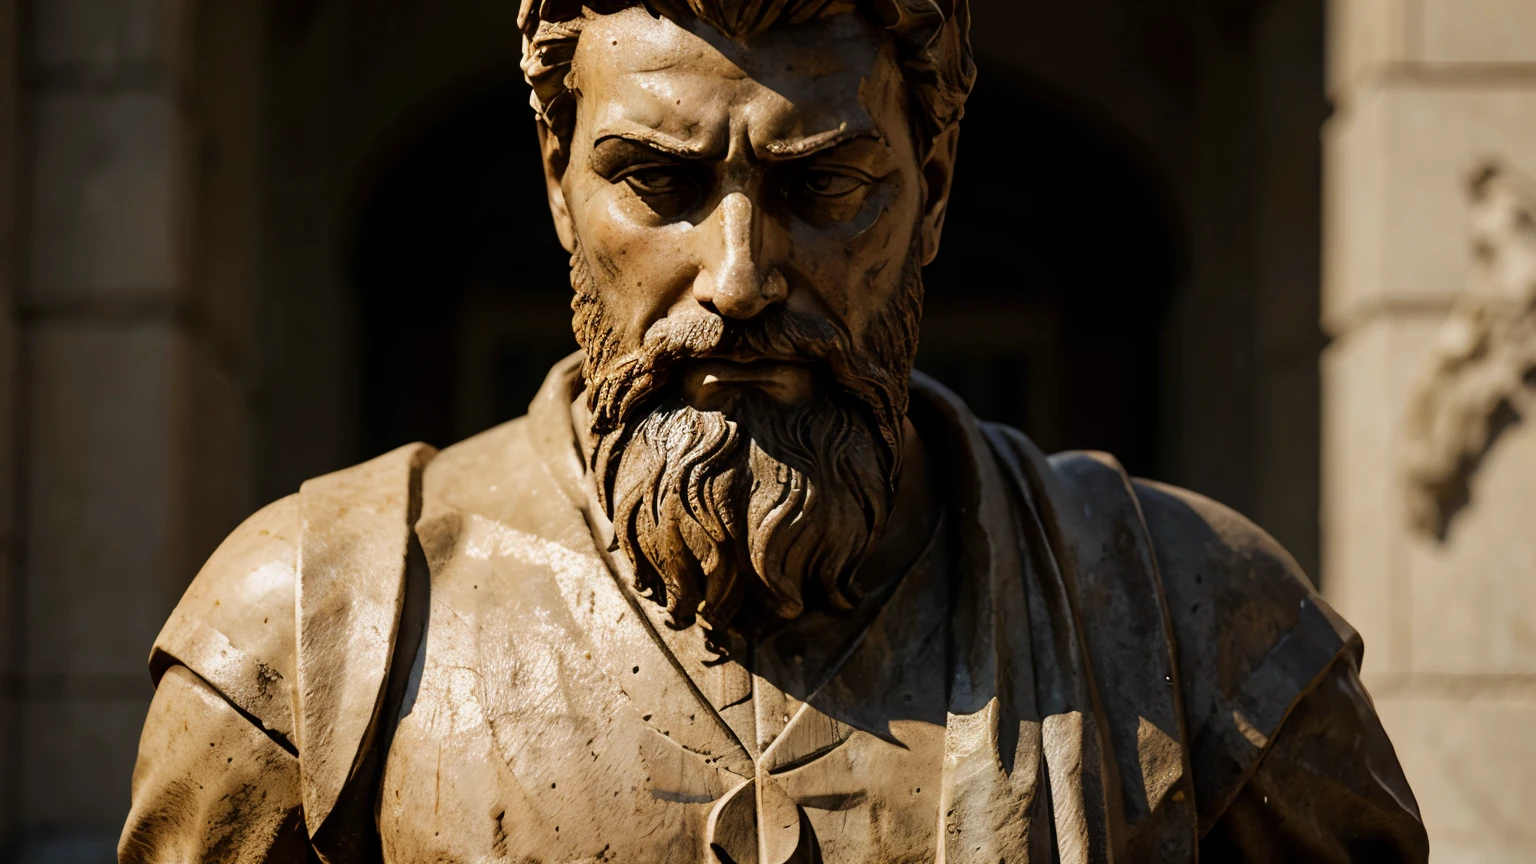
x,y
1253,637
484,469
517,475
234,626
1206,547
1249,635
1229,584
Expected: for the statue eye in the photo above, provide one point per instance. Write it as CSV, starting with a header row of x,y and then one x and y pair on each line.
x,y
829,183
669,190
657,180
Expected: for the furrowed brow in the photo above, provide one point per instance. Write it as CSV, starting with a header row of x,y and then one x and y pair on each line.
x,y
664,144
800,147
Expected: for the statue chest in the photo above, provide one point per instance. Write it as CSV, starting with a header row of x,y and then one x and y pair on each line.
x,y
546,722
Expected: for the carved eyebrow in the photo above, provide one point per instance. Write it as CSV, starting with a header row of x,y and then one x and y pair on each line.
x,y
784,149
665,144
799,147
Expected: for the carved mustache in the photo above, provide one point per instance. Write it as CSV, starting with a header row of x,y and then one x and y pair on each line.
x,y
627,386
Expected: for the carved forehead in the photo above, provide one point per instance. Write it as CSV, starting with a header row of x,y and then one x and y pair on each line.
x,y
802,79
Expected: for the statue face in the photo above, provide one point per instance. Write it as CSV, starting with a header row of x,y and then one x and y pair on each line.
x,y
707,177
748,224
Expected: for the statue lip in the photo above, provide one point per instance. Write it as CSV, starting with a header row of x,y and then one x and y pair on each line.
x,y
710,382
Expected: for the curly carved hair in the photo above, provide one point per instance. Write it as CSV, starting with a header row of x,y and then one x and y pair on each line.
x,y
932,40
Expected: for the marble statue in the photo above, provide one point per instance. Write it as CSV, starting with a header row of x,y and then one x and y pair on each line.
x,y
742,586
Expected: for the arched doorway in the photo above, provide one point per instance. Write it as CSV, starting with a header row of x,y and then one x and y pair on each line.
x,y
1045,305
463,290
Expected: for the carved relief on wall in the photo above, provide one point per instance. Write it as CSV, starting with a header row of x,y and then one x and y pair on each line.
x,y
1480,377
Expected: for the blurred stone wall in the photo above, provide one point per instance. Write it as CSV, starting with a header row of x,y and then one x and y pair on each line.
x,y
10,140
96,298
1424,90
130,414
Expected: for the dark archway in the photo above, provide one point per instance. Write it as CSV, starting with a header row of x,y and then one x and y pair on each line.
x,y
1046,303
464,293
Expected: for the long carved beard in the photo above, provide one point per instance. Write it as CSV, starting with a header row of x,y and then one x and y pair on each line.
x,y
759,499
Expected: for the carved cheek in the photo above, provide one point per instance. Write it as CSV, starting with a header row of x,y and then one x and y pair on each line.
x,y
847,285
608,214
875,264
640,270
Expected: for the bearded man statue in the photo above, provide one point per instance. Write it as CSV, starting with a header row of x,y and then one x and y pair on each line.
x,y
742,586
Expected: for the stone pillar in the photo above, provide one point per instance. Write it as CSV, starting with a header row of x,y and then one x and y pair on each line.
x,y
1423,89
140,224
100,312
1288,48
10,211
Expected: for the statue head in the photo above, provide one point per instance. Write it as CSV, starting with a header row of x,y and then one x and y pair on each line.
x,y
749,190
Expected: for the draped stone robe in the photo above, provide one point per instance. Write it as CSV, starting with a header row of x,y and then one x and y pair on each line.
x,y
435,657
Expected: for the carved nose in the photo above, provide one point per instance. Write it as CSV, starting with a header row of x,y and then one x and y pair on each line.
x,y
736,286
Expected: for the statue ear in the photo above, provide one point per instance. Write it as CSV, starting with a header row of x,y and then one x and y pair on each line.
x,y
555,162
938,179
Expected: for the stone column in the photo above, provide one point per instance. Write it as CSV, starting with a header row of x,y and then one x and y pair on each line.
x,y
1288,47
139,259
10,211
1423,90
99,311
